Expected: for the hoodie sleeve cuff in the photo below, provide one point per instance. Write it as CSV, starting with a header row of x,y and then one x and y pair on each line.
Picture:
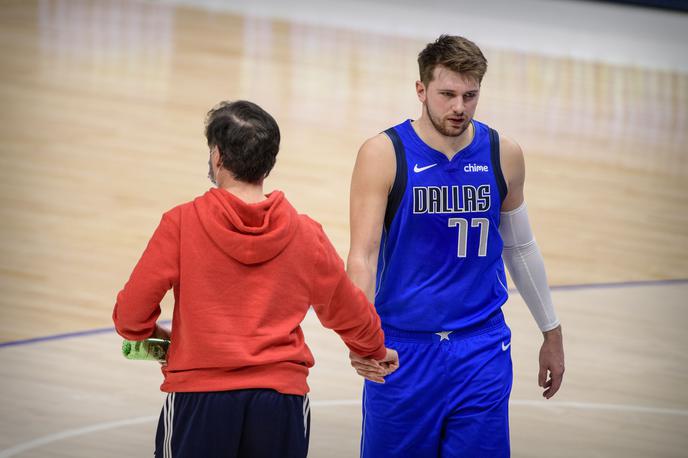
x,y
380,353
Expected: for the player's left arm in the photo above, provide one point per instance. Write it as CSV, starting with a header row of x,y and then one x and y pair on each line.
x,y
527,268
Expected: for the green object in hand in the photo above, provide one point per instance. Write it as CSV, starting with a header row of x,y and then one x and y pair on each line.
x,y
149,349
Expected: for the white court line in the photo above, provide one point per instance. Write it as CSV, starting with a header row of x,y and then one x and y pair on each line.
x,y
35,443
597,406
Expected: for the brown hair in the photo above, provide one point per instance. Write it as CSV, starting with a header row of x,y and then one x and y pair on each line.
x,y
247,137
456,53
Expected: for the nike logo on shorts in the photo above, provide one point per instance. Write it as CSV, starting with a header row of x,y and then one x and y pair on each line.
x,y
505,347
421,169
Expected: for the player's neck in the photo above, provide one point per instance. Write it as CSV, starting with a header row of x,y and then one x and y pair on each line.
x,y
447,145
248,192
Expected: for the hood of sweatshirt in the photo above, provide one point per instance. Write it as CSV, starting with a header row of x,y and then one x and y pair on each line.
x,y
248,233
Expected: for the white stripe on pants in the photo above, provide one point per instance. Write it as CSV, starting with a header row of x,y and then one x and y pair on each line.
x,y
306,411
168,418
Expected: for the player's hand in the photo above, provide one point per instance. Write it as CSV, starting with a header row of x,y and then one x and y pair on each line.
x,y
161,332
391,361
551,362
374,370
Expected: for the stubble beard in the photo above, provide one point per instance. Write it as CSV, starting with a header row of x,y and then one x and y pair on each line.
x,y
439,126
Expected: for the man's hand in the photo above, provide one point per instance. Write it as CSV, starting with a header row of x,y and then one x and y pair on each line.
x,y
161,332
552,361
374,370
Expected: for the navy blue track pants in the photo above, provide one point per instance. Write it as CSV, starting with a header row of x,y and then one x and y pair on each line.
x,y
256,423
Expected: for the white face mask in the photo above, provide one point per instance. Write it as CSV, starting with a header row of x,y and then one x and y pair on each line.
x,y
211,173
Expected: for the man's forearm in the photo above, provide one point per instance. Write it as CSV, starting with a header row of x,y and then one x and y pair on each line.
x,y
362,275
526,266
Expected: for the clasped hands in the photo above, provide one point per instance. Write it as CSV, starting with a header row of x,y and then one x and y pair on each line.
x,y
375,370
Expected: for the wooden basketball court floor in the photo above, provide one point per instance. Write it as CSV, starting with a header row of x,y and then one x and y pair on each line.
x,y
101,131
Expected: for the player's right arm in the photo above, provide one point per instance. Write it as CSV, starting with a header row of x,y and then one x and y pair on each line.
x,y
371,182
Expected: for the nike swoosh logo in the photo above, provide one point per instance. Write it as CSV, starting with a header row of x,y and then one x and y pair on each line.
x,y
505,347
421,169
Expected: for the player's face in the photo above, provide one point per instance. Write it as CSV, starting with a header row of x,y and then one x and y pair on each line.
x,y
449,100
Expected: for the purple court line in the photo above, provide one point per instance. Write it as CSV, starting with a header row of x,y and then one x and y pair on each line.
x,y
621,284
68,335
90,332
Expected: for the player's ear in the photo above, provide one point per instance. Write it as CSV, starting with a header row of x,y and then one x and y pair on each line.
x,y
420,91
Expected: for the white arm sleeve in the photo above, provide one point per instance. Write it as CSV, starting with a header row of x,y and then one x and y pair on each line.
x,y
526,266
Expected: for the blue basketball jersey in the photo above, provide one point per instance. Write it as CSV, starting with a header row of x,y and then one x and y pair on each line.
x,y
440,261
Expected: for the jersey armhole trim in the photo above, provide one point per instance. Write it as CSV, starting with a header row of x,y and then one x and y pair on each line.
x,y
400,179
497,164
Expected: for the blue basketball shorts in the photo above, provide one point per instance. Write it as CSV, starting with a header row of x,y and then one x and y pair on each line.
x,y
256,423
449,397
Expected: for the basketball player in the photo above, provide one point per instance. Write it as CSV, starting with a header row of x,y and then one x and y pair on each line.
x,y
244,267
436,204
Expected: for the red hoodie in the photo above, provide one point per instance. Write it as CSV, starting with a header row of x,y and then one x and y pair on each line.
x,y
244,276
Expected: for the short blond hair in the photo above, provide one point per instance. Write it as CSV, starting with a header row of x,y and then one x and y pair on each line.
x,y
455,53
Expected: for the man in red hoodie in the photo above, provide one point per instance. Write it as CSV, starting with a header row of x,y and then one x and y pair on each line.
x,y
244,268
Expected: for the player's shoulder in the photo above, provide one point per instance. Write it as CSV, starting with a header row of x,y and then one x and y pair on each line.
x,y
511,159
510,153
377,146
376,162
509,147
